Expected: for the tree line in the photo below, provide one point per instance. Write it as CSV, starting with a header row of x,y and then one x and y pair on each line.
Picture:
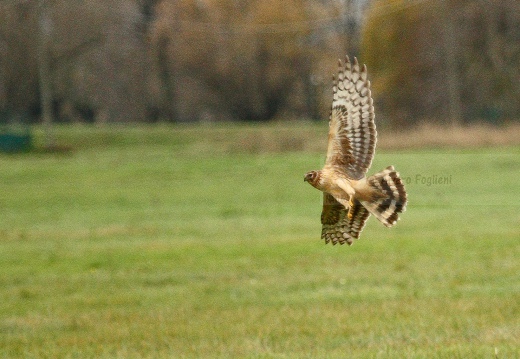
x,y
107,61
455,61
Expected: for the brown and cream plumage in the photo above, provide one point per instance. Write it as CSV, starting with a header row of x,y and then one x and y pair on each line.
x,y
349,197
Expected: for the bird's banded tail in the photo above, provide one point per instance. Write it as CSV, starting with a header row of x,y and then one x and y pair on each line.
x,y
390,196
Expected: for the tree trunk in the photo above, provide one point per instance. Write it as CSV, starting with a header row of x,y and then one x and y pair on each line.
x,y
452,74
44,68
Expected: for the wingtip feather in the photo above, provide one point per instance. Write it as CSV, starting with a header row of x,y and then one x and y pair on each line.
x,y
364,73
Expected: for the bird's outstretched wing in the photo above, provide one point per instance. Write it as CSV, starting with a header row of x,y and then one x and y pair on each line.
x,y
352,132
337,225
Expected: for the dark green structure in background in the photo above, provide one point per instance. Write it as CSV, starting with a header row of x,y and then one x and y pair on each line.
x,y
15,133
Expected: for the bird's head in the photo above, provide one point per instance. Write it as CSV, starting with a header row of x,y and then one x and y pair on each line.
x,y
312,177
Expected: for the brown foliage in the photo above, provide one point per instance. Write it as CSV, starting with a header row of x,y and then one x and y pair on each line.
x,y
444,59
238,60
179,60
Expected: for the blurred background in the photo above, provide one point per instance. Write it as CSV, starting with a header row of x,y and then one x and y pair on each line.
x,y
112,61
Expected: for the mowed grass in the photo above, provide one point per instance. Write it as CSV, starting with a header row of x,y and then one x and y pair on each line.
x,y
203,242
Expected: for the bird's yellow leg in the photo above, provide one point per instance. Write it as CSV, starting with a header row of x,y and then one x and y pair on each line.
x,y
350,205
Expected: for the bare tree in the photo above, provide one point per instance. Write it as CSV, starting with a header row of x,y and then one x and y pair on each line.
x,y
451,49
44,69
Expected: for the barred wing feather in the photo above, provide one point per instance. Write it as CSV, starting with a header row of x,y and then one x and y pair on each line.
x,y
337,225
352,131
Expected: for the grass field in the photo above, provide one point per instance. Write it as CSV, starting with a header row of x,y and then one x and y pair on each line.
x,y
194,242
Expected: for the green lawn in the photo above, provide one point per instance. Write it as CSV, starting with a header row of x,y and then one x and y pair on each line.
x,y
192,242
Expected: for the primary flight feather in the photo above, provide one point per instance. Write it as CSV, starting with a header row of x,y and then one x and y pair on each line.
x,y
349,197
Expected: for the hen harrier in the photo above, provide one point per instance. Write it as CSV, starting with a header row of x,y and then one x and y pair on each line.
x,y
349,197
